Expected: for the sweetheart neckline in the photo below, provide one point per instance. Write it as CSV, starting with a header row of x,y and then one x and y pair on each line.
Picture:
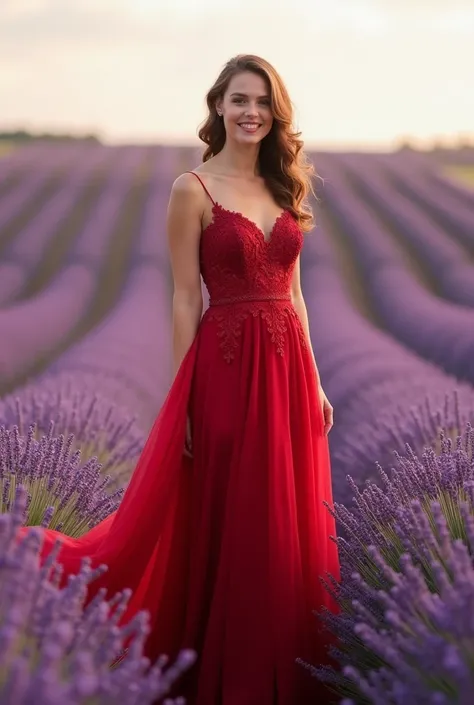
x,y
217,205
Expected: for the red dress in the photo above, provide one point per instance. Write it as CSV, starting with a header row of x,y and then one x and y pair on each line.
x,y
226,550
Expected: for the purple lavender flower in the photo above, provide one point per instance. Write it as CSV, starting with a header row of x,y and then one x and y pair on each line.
x,y
71,405
438,330
107,388
52,650
407,582
383,394
62,493
426,640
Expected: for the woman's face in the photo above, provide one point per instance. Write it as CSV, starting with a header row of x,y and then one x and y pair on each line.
x,y
246,108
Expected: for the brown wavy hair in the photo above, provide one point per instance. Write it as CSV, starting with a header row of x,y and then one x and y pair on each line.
x,y
283,164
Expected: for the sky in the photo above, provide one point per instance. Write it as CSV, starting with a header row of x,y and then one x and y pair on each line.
x,y
361,73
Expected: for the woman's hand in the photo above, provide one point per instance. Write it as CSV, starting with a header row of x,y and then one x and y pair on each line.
x,y
328,411
188,449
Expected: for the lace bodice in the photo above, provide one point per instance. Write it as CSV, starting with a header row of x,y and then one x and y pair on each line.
x,y
247,273
237,261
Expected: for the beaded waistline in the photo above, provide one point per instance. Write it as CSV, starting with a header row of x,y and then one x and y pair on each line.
x,y
249,297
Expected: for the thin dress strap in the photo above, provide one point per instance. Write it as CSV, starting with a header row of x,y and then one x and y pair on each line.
x,y
202,184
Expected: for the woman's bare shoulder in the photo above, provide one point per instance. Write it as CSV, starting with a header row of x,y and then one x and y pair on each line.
x,y
186,183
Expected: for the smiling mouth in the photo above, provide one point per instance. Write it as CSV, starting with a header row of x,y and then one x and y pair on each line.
x,y
249,126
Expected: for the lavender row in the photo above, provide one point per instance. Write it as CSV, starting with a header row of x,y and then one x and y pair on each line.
x,y
130,350
385,397
456,217
19,261
433,175
18,198
53,650
407,583
456,190
98,426
32,328
151,246
383,394
71,496
462,156
19,157
35,156
443,257
75,655
107,389
437,330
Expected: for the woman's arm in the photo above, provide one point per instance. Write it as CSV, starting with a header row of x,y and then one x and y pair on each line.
x,y
300,307
183,225
299,303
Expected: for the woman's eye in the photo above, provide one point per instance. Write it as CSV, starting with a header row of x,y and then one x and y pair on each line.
x,y
265,102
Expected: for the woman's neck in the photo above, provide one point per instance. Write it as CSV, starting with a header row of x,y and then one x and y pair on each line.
x,y
239,160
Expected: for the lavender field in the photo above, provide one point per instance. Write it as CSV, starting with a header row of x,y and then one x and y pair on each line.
x,y
85,363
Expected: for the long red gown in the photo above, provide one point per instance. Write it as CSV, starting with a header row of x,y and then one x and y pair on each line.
x,y
226,550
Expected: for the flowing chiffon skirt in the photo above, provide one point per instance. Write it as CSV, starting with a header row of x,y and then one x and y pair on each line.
x,y
226,550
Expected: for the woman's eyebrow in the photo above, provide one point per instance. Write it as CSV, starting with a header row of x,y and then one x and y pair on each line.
x,y
244,95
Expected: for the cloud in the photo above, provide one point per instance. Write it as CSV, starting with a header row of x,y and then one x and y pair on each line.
x,y
36,23
46,21
141,67
429,6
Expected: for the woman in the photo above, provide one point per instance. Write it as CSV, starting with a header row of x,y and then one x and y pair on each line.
x,y
225,542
